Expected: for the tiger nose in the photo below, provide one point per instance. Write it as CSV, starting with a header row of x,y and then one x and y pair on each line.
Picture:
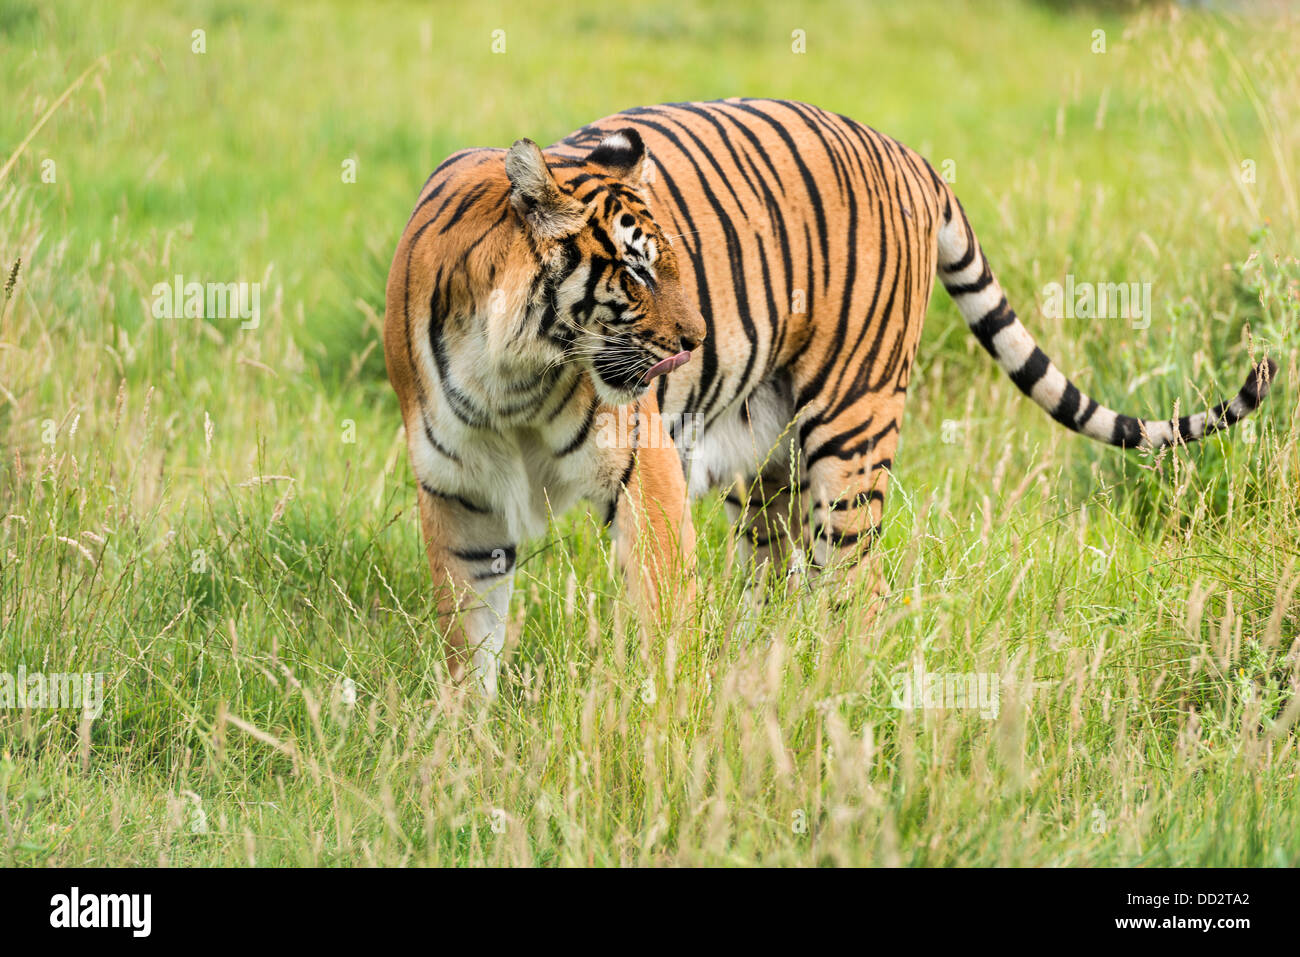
x,y
689,344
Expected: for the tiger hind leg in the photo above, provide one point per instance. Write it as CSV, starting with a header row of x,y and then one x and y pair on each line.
x,y
768,515
769,523
847,488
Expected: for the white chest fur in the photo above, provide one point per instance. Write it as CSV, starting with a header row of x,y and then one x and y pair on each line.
x,y
752,435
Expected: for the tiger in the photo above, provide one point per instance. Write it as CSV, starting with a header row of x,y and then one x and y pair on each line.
x,y
679,298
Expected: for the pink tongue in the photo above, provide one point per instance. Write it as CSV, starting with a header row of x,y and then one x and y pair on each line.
x,y
664,366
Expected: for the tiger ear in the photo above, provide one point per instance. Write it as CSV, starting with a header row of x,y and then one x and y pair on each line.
x,y
623,153
549,211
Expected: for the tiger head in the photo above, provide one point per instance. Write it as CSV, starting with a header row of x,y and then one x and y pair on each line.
x,y
609,291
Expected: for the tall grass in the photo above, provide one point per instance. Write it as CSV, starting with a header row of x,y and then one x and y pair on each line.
x,y
181,509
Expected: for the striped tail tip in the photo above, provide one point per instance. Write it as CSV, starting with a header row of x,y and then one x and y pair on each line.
x,y
1257,385
1246,400
1156,434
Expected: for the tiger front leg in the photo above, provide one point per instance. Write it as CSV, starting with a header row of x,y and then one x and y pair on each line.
x,y
472,560
653,532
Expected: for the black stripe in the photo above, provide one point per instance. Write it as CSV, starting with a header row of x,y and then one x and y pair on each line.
x,y
470,199
847,539
964,262
458,499
563,403
618,489
485,554
982,282
1088,412
1068,407
1029,374
584,430
835,446
860,500
627,472
1256,382
1225,415
438,447
446,164
1127,434
991,323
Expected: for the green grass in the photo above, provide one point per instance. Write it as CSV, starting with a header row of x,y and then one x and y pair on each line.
x,y
1140,615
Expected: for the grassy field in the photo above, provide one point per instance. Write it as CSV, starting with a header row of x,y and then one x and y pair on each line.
x,y
222,522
